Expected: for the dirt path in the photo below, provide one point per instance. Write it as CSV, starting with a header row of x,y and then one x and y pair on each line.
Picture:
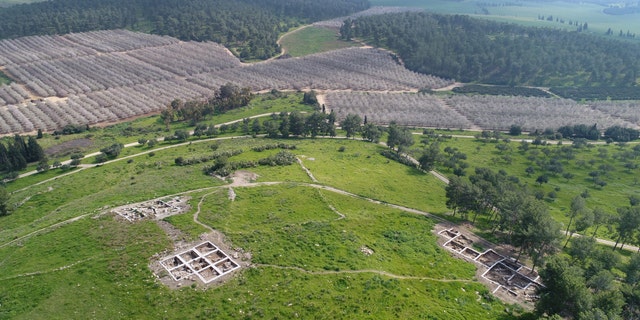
x,y
46,271
450,87
283,50
195,215
306,170
380,272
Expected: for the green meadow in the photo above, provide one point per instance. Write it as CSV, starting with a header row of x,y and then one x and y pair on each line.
x,y
609,159
306,242
309,40
63,254
4,79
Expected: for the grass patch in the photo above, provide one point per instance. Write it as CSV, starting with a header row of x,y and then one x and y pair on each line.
x,y
98,266
310,40
4,79
361,169
621,182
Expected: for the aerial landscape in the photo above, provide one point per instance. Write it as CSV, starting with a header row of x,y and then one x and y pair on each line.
x,y
327,159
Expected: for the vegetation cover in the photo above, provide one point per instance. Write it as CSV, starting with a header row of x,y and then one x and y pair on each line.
x,y
598,93
475,50
502,90
251,27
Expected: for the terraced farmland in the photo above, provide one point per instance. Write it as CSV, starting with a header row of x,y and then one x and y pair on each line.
x,y
107,76
481,112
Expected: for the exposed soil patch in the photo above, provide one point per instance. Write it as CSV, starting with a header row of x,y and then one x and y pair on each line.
x,y
154,209
507,279
69,147
207,261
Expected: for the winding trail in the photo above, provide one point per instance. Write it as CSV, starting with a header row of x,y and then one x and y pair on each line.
x,y
46,271
244,184
382,273
195,215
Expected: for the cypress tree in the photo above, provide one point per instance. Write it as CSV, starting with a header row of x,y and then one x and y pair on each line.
x,y
4,158
16,158
34,150
20,146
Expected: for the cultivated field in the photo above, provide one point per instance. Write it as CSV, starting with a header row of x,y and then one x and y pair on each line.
x,y
106,76
485,112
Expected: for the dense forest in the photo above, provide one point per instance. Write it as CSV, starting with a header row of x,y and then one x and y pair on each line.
x,y
598,93
502,91
475,50
249,26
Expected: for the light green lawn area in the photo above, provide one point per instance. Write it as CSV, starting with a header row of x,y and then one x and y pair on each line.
x,y
4,79
309,40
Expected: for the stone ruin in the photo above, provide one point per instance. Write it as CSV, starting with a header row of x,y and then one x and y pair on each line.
x,y
204,261
153,209
506,274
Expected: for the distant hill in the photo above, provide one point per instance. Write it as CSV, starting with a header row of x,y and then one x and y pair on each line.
x,y
249,27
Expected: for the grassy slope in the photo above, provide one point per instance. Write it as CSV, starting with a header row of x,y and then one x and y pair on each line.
x,y
621,183
311,40
106,274
98,266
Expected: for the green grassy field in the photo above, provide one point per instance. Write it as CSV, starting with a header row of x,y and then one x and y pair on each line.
x,y
527,12
311,40
4,79
621,182
308,258
306,242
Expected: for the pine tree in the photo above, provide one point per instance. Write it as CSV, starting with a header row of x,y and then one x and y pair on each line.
x,y
4,202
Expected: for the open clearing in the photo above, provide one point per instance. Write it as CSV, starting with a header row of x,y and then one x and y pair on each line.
x,y
313,252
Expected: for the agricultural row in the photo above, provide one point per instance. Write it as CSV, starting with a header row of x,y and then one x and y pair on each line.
x,y
486,112
111,75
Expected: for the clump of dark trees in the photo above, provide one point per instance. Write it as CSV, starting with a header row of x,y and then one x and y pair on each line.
x,y
501,91
584,285
580,131
476,50
16,153
223,167
227,97
250,26
598,93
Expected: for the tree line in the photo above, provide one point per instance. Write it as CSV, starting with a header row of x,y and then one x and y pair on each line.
x,y
501,91
228,97
476,50
580,285
598,93
249,26
16,153
580,132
